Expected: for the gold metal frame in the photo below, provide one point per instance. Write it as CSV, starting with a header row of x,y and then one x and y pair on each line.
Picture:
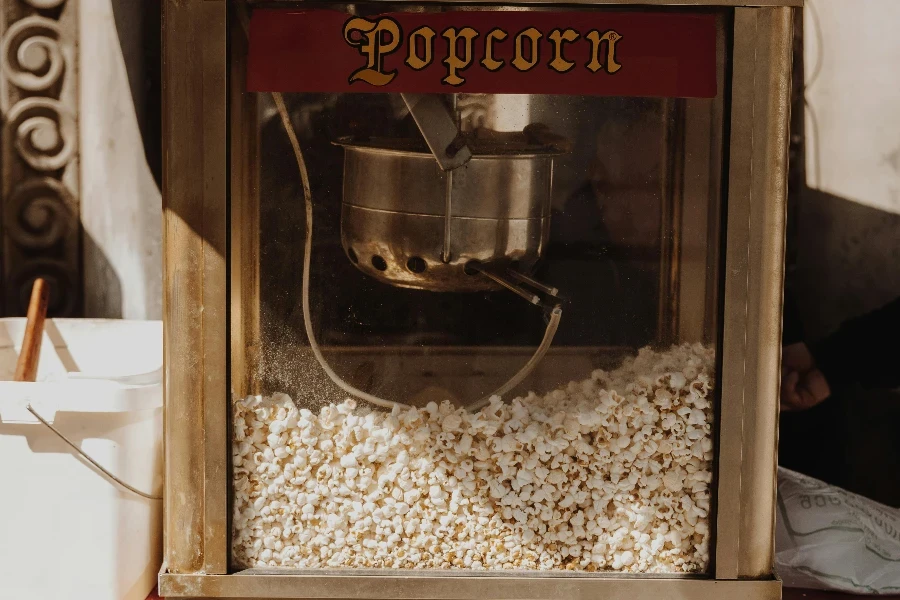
x,y
195,271
416,586
209,133
754,282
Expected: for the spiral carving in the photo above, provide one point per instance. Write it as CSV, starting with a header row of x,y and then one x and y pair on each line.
x,y
59,279
41,233
40,212
31,57
45,4
44,133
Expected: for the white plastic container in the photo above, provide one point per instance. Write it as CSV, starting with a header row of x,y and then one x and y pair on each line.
x,y
66,530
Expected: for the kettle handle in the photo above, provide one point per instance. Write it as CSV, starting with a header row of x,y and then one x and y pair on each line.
x,y
438,126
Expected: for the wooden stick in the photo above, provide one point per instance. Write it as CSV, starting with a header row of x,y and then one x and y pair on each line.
x,y
26,368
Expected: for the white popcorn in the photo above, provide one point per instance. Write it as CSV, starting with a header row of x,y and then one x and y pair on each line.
x,y
609,473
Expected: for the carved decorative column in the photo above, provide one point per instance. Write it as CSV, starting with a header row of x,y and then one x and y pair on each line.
x,y
41,232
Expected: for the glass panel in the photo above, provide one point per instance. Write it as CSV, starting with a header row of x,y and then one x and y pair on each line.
x,y
599,459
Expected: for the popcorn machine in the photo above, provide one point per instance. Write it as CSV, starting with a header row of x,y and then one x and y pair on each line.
x,y
473,300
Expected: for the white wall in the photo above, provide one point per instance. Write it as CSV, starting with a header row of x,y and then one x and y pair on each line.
x,y
849,216
852,61
120,203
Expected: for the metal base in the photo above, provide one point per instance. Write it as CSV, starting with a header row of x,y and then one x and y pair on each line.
x,y
429,585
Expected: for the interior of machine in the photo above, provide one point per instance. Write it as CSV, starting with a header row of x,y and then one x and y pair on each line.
x,y
631,257
623,239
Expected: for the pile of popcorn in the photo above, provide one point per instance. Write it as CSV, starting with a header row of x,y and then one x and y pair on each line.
x,y
607,474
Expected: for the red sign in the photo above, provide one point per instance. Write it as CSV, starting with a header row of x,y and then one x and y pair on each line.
x,y
504,52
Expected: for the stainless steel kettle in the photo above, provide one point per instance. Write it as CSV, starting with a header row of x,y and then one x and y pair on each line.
x,y
436,217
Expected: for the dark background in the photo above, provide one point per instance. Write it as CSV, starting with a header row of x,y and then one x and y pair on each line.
x,y
852,439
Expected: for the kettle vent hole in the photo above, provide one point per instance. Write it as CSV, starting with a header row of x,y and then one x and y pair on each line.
x,y
379,263
416,264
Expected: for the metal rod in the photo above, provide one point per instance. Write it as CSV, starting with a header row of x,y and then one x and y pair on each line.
x,y
532,298
438,124
448,192
448,207
549,290
83,455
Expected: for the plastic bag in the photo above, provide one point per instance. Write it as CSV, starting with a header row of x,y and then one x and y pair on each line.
x,y
827,538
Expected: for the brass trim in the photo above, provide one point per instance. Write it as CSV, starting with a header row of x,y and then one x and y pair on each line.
x,y
753,292
245,264
671,224
702,198
195,276
394,586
